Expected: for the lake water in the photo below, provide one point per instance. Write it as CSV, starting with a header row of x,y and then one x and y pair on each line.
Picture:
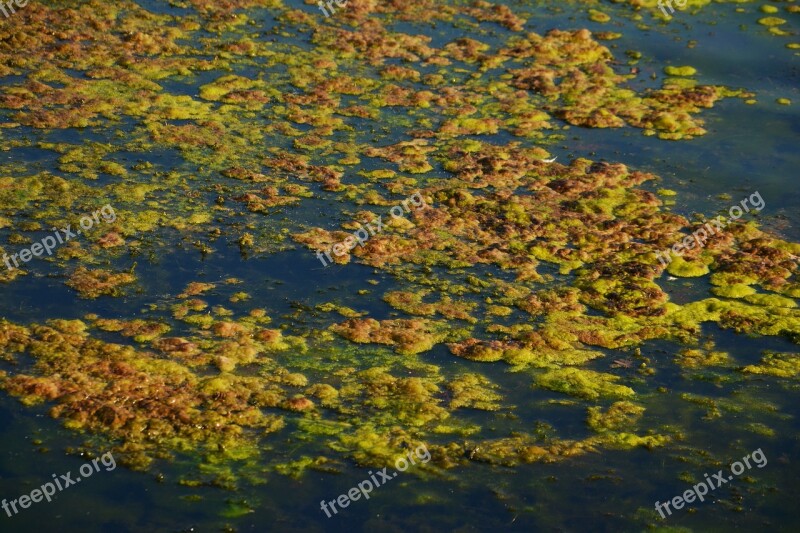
x,y
516,327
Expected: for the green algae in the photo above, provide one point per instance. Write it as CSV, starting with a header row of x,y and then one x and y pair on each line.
x,y
782,365
760,429
619,415
150,406
412,304
98,282
473,391
694,358
771,21
537,349
140,330
687,269
408,336
598,16
680,71
258,151
736,290
581,383
770,300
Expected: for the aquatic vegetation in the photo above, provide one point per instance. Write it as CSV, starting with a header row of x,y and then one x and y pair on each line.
x,y
583,383
700,357
783,365
475,392
94,283
533,349
219,141
620,415
408,336
412,304
148,401
680,71
141,330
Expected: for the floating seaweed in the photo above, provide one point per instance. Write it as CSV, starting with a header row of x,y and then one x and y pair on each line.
x,y
217,138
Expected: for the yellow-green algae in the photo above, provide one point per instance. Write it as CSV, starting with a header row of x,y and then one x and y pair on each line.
x,y
782,365
253,150
680,71
583,383
474,391
692,357
620,415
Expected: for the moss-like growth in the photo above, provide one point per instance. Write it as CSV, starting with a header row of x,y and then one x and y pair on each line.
x,y
620,415
782,365
474,391
680,71
98,282
581,383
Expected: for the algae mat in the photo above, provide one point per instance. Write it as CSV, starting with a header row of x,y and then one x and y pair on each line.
x,y
262,253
